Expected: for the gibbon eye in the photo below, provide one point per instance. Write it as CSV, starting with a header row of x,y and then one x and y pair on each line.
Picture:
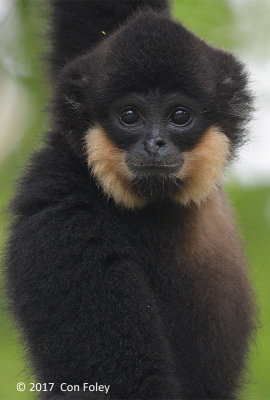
x,y
130,116
180,116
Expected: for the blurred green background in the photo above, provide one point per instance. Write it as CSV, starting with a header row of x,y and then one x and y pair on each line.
x,y
239,25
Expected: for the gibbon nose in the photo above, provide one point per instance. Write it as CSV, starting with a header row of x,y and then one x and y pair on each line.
x,y
153,145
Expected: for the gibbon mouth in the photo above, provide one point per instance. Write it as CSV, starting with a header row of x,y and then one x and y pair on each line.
x,y
167,165
154,169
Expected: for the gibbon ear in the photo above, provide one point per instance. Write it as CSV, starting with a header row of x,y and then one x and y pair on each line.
x,y
233,97
231,74
72,106
71,92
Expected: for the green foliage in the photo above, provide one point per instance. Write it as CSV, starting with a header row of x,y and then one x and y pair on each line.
x,y
212,20
253,208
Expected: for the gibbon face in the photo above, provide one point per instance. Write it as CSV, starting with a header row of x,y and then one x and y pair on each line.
x,y
165,148
157,112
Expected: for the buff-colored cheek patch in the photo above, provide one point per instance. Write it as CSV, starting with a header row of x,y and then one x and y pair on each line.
x,y
203,166
108,165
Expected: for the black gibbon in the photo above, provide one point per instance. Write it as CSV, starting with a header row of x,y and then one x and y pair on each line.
x,y
124,266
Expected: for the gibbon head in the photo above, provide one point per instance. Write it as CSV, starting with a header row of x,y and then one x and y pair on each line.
x,y
155,111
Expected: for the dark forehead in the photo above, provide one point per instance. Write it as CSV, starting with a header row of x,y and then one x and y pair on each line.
x,y
156,98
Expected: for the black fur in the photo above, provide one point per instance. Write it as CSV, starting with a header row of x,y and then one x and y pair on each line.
x,y
153,302
77,25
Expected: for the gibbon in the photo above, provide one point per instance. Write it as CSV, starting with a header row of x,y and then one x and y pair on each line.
x,y
124,265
